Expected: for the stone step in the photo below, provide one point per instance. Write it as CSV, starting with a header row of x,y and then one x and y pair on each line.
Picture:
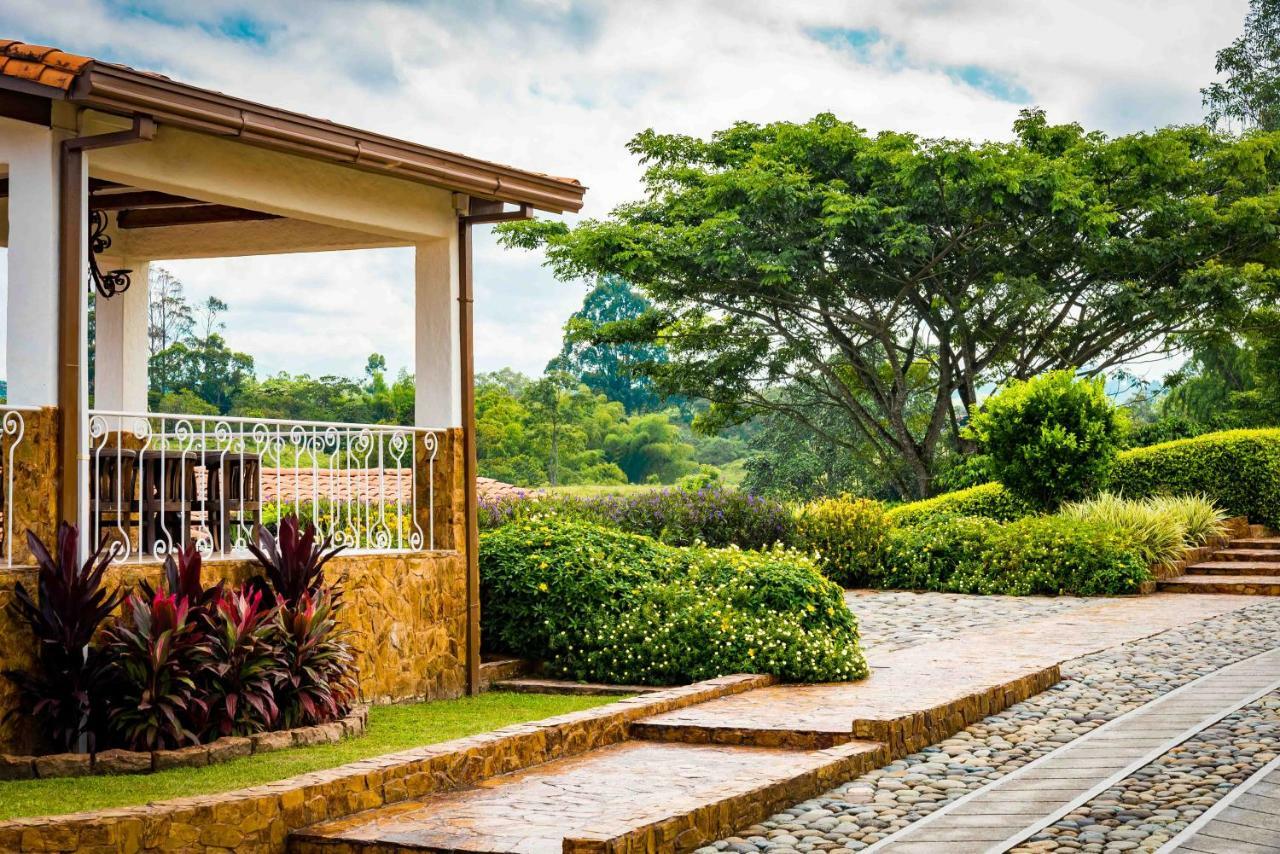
x,y
1244,585
1238,554
1256,543
1228,568
497,669
633,796
527,685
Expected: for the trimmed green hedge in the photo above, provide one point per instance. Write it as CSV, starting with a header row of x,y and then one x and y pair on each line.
x,y
1036,555
989,500
1238,469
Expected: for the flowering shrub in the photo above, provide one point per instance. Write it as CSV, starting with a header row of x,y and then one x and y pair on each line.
x,y
597,603
544,575
678,633
847,534
925,556
990,500
712,514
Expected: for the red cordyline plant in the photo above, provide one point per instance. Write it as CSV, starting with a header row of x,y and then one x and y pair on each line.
x,y
293,563
247,660
319,685
155,656
71,604
182,579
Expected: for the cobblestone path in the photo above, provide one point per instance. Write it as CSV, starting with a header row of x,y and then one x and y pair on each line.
x,y
890,620
1095,689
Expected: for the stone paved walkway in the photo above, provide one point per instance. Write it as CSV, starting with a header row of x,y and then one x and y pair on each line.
x,y
889,620
1015,808
670,796
1096,688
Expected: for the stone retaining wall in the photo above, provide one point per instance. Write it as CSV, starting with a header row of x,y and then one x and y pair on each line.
x,y
259,819
196,756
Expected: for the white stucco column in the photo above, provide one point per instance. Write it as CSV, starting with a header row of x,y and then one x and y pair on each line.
x,y
30,153
120,350
438,399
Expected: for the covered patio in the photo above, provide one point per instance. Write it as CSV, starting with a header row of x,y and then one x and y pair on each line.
x,y
104,170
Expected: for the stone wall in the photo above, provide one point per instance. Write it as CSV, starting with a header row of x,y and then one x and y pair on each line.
x,y
407,611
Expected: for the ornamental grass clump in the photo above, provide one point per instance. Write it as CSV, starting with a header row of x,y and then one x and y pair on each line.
x,y
1159,535
1200,517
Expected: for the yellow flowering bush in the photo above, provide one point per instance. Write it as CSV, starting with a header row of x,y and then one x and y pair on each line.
x,y
846,534
679,634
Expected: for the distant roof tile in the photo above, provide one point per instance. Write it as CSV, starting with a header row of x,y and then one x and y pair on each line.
x,y
40,63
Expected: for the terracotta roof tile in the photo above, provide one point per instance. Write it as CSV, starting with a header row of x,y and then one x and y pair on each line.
x,y
40,64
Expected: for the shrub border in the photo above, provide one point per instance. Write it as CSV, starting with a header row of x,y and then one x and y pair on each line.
x,y
224,749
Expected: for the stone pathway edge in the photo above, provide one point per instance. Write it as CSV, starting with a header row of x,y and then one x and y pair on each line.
x,y
1111,725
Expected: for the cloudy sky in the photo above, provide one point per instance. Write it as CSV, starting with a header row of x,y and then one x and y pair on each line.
x,y
559,86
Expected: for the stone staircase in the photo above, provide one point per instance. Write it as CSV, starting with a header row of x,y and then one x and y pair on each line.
x,y
1245,565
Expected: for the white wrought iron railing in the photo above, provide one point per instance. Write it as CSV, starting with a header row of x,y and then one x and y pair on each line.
x,y
157,481
13,428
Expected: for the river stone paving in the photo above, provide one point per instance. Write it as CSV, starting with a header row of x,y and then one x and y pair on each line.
x,y
889,620
1094,689
1147,809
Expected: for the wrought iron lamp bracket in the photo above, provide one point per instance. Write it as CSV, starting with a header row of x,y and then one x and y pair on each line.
x,y
110,282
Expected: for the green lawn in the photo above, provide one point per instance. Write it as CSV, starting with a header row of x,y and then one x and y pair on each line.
x,y
391,728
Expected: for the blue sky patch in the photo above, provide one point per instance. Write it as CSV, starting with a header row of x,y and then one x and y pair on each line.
x,y
868,45
992,82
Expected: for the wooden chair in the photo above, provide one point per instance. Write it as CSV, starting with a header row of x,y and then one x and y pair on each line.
x,y
235,496
169,496
113,499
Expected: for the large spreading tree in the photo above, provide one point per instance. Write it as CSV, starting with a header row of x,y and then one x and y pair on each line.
x,y
884,280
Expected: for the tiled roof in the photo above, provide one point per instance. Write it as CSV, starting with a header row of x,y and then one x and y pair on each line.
x,y
289,485
488,489
40,64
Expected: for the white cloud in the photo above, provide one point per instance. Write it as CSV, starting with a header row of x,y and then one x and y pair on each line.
x,y
560,86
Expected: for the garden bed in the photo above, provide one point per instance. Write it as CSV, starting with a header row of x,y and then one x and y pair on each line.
x,y
225,749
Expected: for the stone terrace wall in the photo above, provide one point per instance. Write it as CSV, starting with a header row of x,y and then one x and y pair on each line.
x,y
407,611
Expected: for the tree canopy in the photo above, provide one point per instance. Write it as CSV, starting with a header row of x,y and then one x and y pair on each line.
x,y
1249,96
608,368
887,278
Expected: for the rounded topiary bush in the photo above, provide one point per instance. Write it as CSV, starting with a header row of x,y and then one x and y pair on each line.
x,y
1051,438
847,534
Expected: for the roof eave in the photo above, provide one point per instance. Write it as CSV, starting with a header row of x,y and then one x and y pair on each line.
x,y
124,91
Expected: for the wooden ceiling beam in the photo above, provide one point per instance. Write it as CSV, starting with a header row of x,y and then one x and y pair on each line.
x,y
191,215
139,200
